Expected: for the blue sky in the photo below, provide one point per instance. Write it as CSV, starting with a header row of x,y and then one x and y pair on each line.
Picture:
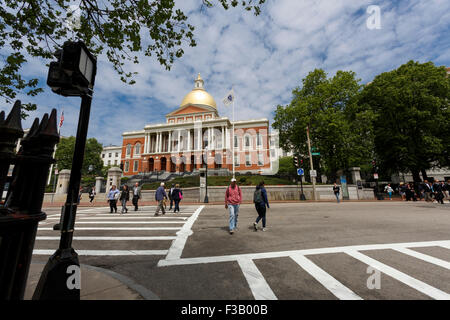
x,y
264,57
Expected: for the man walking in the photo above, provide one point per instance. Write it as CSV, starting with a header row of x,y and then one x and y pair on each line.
x,y
336,191
427,190
160,195
113,195
171,196
233,199
136,195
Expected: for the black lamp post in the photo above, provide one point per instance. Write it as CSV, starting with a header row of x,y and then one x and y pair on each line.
x,y
73,75
206,176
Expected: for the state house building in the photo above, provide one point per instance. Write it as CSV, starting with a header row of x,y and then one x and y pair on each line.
x,y
195,134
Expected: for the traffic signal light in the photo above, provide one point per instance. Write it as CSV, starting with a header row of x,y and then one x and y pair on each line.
x,y
295,161
74,71
121,166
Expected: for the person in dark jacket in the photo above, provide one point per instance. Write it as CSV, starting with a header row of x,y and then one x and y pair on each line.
x,y
124,197
177,194
170,196
261,202
160,195
438,194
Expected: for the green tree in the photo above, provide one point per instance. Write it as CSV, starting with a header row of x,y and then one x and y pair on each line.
x,y
121,29
412,122
339,128
93,150
286,166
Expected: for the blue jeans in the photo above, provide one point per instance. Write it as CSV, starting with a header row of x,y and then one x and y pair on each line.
x,y
337,196
233,209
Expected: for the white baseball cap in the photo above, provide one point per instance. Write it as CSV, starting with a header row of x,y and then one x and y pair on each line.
x,y
233,180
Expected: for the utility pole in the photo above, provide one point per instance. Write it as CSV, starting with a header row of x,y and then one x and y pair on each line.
x,y
313,179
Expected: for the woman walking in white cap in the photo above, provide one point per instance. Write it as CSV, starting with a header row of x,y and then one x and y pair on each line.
x,y
233,198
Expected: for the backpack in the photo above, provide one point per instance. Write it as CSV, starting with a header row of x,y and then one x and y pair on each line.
x,y
257,196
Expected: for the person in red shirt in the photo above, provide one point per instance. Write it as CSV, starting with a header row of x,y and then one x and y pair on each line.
x,y
233,198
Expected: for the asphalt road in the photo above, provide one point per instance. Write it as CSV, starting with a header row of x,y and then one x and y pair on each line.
x,y
309,251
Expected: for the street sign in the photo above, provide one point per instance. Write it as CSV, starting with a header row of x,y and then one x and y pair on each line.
x,y
313,173
375,175
315,154
300,172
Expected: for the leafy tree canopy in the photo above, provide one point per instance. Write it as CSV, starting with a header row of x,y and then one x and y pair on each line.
x,y
412,122
120,28
339,129
93,150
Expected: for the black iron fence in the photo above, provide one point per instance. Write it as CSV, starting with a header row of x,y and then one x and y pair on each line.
x,y
20,212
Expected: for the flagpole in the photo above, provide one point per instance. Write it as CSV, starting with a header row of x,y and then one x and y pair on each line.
x,y
232,143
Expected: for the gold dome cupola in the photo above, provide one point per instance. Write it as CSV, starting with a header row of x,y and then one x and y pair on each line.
x,y
199,96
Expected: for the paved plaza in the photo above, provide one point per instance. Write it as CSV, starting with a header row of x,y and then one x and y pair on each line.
x,y
352,250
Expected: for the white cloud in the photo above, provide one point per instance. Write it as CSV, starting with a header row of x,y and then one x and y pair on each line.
x,y
264,57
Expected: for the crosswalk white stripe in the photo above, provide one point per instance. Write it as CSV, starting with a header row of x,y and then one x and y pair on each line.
x,y
424,257
111,238
133,218
400,276
305,252
108,252
177,246
129,222
258,285
117,228
328,281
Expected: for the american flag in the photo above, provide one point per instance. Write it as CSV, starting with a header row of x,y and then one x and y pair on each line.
x,y
61,120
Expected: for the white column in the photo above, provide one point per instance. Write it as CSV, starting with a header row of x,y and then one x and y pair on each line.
x,y
223,137
178,149
189,140
170,141
227,138
199,134
158,144
209,139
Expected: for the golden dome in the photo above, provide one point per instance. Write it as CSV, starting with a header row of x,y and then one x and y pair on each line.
x,y
199,95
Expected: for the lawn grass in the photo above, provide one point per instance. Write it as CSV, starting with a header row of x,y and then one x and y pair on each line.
x,y
242,180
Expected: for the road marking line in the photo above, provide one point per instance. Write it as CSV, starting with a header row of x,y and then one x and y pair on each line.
x,y
117,228
112,238
258,285
132,218
328,281
400,276
178,244
108,252
305,252
424,257
128,222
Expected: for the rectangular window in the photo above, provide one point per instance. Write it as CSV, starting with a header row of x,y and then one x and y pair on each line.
x,y
236,145
248,163
135,165
127,166
109,162
259,140
260,159
103,156
117,154
115,162
236,161
109,155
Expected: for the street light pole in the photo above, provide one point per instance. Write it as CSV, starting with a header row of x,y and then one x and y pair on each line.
x,y
313,179
206,177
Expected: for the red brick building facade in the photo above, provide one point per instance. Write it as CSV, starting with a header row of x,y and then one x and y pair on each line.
x,y
194,135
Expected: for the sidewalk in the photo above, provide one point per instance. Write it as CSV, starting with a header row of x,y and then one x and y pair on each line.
x,y
96,284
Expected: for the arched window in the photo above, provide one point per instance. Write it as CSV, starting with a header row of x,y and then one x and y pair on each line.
x,y
137,148
128,150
